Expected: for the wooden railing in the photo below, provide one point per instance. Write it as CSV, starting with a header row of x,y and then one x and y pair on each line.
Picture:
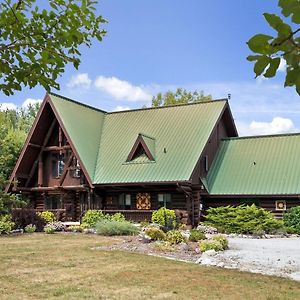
x,y
133,215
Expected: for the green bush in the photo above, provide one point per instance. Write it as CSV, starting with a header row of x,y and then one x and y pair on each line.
x,y
242,219
175,237
75,228
196,235
30,228
47,216
210,245
111,227
117,217
6,225
92,217
291,219
163,246
155,234
165,217
49,229
222,240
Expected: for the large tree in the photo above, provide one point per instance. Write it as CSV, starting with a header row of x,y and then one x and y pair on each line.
x,y
284,45
180,96
38,39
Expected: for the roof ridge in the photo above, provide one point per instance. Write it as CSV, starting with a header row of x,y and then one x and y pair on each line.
x,y
261,136
77,102
168,106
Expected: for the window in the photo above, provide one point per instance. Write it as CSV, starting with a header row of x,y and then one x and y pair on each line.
x,y
164,200
58,164
75,169
125,201
53,202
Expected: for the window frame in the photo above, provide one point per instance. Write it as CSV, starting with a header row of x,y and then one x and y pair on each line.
x,y
167,203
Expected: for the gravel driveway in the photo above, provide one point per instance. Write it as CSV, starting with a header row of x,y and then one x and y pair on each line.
x,y
276,256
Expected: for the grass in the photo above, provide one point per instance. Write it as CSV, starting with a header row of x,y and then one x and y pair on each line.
x,y
65,266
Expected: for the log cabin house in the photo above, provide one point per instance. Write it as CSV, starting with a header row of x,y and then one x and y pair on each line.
x,y
184,157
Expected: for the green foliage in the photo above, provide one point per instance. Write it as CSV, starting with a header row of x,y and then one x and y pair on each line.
x,y
76,228
210,245
163,246
180,96
222,240
242,219
291,219
30,228
155,234
49,229
92,217
117,217
175,237
6,225
38,41
164,217
47,216
285,44
110,227
196,235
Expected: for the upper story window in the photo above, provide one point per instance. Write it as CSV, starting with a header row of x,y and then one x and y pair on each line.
x,y
164,200
58,164
76,170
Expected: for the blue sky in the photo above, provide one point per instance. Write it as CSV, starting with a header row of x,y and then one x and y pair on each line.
x,y
155,46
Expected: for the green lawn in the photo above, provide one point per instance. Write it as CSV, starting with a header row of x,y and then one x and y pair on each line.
x,y
63,266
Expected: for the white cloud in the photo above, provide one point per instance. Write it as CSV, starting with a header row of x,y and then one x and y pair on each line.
x,y
81,80
276,126
7,106
30,101
121,108
121,89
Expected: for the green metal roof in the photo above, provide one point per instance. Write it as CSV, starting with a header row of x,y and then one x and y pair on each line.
x,y
176,135
262,165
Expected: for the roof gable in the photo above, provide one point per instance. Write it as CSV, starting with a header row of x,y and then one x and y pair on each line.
x,y
84,125
142,150
263,165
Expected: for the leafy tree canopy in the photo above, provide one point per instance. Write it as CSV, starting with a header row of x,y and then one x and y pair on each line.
x,y
284,45
180,96
37,40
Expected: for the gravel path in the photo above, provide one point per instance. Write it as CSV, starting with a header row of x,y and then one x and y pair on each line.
x,y
276,256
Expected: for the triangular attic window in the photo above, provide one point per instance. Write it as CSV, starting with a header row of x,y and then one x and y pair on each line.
x,y
142,150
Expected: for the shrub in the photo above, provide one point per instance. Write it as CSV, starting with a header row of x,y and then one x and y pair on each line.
x,y
6,225
58,226
210,245
163,246
30,228
92,217
196,235
291,219
222,240
164,217
23,217
155,234
111,227
117,217
175,237
47,216
76,228
49,229
242,219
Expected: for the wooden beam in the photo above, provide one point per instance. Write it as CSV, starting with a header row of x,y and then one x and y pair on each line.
x,y
56,148
34,145
47,137
66,169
